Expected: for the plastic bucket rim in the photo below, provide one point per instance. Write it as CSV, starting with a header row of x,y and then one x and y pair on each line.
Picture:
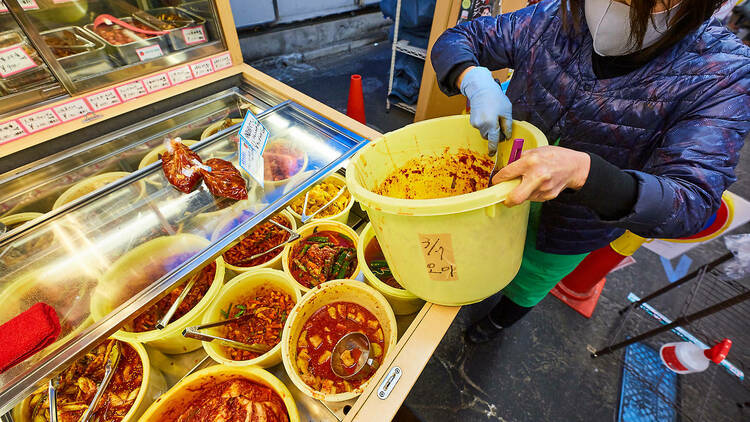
x,y
253,373
438,206
346,210
59,202
211,348
286,356
384,288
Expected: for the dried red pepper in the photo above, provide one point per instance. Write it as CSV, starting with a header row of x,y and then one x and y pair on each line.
x,y
223,179
178,163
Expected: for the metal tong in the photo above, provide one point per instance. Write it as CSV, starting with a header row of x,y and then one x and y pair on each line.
x,y
54,383
109,370
293,235
194,333
172,309
305,218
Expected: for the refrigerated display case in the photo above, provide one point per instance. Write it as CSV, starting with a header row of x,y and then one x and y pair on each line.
x,y
116,203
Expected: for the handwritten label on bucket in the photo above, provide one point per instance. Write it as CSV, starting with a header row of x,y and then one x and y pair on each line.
x,y
438,256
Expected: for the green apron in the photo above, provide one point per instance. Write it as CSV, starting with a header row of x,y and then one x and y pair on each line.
x,y
540,271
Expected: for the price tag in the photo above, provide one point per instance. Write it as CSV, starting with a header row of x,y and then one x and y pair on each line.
x,y
150,52
220,62
28,4
3,8
180,75
10,131
14,60
194,35
71,110
62,1
104,99
156,83
438,256
202,68
131,90
253,138
39,120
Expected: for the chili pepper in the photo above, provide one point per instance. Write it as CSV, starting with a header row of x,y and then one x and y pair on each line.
x,y
318,239
345,265
379,264
304,250
228,311
300,266
242,309
339,260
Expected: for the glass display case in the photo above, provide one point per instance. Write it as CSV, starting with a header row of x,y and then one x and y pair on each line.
x,y
50,48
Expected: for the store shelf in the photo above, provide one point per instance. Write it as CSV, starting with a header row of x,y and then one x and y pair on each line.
x,y
418,52
65,253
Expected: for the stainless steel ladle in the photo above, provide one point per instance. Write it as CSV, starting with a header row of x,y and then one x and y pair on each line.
x,y
365,365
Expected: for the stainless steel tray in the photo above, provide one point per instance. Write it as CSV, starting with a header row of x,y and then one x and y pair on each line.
x,y
203,9
136,51
29,78
179,38
94,56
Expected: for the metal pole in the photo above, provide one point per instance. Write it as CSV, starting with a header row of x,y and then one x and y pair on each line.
x,y
708,267
683,320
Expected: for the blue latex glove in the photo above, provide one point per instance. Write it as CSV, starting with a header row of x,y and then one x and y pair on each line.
x,y
489,106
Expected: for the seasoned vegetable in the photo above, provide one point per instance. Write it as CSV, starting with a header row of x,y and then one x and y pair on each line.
x,y
321,257
270,309
260,239
378,265
320,195
320,334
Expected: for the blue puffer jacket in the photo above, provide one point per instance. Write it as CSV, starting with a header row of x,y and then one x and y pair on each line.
x,y
677,124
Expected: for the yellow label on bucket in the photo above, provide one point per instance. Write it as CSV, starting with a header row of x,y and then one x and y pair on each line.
x,y
438,256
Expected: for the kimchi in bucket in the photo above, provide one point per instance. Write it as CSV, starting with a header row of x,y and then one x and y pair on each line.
x,y
446,236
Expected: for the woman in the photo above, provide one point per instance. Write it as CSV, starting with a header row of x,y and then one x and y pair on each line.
x,y
645,104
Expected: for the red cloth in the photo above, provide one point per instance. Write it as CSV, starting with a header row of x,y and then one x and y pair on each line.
x,y
27,333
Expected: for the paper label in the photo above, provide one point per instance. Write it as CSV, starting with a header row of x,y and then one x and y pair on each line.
x,y
3,8
10,131
202,68
194,35
131,90
71,110
39,120
62,1
253,138
14,60
28,4
437,250
180,75
150,52
104,99
220,62
156,83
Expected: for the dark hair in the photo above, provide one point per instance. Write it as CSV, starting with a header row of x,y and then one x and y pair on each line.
x,y
687,17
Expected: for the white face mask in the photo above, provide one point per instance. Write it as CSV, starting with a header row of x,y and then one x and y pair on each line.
x,y
609,24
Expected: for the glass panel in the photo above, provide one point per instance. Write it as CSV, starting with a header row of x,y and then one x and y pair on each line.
x,y
37,187
94,39
23,73
107,250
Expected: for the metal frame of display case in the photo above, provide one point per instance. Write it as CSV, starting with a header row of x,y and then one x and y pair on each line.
x,y
398,373
13,102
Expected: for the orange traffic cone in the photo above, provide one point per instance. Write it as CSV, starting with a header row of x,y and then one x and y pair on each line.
x,y
356,105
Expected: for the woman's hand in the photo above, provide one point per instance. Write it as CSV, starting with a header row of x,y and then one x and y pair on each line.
x,y
545,172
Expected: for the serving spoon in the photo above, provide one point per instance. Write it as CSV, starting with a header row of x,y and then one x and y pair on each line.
x,y
364,366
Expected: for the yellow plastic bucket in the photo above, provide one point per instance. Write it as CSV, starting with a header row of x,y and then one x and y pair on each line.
x,y
451,251
331,292
307,230
127,273
13,220
402,302
191,387
88,185
244,285
152,386
273,263
341,217
214,127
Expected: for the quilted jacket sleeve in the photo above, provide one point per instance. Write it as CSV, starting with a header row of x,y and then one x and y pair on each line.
x,y
681,187
492,42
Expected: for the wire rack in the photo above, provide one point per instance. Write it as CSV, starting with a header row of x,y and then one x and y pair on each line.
x,y
704,307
